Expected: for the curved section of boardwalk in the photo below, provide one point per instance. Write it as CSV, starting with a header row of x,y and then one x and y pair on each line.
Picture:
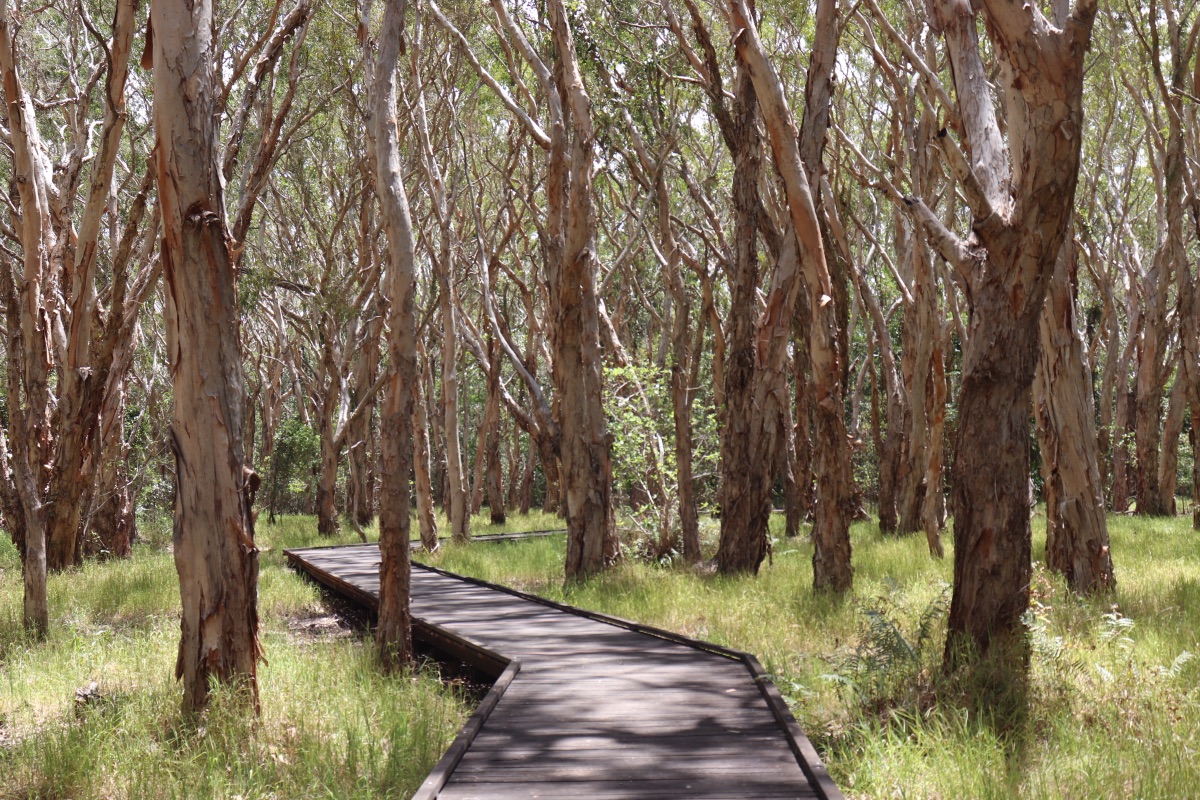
x,y
600,708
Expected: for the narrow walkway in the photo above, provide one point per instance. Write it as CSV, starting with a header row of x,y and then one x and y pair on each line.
x,y
593,707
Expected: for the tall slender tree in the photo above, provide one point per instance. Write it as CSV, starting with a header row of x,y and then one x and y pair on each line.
x,y
394,633
1021,199
215,554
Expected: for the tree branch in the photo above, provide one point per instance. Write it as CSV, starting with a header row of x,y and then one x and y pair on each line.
x,y
535,130
975,194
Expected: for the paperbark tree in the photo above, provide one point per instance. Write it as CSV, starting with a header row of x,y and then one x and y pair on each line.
x,y
586,446
29,421
831,528
394,634
421,471
1183,41
491,439
912,151
338,319
540,421
745,470
58,324
215,554
1077,543
1021,198
445,267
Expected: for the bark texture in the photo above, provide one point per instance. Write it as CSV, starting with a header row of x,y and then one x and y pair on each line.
x,y
831,526
215,554
422,481
394,634
1021,200
746,471
1076,528
586,447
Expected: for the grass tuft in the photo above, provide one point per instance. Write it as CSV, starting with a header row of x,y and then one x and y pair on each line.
x,y
93,711
1111,708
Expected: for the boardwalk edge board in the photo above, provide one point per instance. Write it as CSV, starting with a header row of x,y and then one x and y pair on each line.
x,y
810,762
446,765
806,754
416,544
488,662
360,596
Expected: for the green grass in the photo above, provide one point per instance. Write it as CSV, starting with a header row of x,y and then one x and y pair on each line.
x,y
297,531
331,724
1113,709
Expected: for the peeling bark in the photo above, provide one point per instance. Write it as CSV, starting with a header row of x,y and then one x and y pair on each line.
x,y
1077,543
1021,208
831,538
421,472
394,633
215,554
586,445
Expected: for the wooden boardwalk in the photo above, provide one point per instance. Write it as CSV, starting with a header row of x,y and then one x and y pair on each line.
x,y
587,706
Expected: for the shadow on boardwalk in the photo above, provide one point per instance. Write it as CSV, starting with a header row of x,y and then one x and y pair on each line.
x,y
593,707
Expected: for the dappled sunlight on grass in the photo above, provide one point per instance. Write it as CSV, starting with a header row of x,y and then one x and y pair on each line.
x,y
1113,713
1113,708
331,724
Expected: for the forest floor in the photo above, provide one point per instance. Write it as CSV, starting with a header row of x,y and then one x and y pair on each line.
x,y
1113,702
1113,711
93,712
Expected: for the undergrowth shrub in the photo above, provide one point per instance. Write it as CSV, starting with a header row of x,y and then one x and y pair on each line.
x,y
895,663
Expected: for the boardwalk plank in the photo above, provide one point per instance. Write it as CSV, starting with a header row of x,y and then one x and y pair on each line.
x,y
624,790
596,710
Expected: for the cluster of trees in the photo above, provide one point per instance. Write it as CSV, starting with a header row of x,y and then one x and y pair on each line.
x,y
766,253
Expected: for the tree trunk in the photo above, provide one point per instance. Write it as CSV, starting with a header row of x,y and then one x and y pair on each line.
x,y
495,488
1076,529
933,510
831,538
802,429
793,501
215,554
1021,209
1121,491
1108,380
421,472
586,446
89,352
920,332
360,492
1194,433
456,503
490,407
12,513
394,633
1168,454
1150,380
893,452
526,500
681,391
29,356
327,516
1177,188
112,522
745,470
